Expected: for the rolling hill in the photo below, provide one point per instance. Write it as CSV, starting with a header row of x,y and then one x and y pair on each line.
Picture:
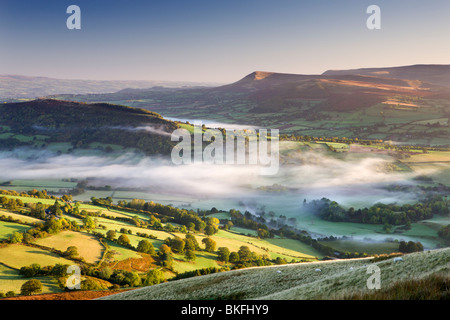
x,y
335,280
401,104
434,74
67,126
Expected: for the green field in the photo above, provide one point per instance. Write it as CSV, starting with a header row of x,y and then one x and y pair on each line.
x,y
17,256
8,228
203,260
11,280
361,246
20,217
121,253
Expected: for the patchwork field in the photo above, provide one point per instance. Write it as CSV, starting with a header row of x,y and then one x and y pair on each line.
x,y
88,246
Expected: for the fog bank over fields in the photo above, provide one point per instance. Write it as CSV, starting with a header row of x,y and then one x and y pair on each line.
x,y
314,176
351,181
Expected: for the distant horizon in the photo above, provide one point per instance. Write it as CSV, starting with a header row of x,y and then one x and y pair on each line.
x,y
216,41
217,83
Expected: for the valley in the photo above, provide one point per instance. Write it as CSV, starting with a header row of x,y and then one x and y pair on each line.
x,y
102,161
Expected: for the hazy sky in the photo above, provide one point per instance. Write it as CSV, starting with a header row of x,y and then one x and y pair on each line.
x,y
216,40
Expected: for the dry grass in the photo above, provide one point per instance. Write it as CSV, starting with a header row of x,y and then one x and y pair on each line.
x,y
432,287
74,295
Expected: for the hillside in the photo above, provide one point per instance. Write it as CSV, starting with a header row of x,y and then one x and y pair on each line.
x,y
434,74
404,104
65,126
122,245
296,281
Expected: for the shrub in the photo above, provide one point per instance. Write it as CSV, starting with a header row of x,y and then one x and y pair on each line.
x,y
154,276
30,287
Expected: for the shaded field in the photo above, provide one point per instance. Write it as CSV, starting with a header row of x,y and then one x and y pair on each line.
x,y
8,228
17,256
11,280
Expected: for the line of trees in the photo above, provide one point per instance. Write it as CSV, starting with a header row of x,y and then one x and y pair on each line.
x,y
391,214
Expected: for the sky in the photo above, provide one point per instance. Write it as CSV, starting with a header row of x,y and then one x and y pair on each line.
x,y
215,40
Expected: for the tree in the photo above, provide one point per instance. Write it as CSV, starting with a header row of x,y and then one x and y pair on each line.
x,y
53,226
133,279
176,244
164,249
89,284
244,254
16,237
280,260
191,240
167,260
10,294
387,228
88,223
411,247
111,235
228,225
234,257
212,221
402,247
223,254
263,233
71,252
145,246
154,276
123,240
30,271
190,255
105,273
210,244
189,244
210,230
191,226
419,246
30,287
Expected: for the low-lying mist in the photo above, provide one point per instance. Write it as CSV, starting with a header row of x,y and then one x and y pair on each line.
x,y
356,182
312,175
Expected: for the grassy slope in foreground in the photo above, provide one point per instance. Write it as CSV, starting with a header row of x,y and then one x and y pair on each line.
x,y
295,281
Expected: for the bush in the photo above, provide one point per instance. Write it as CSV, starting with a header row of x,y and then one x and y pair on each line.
x,y
90,284
223,254
145,246
30,287
210,244
154,276
190,255
71,252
